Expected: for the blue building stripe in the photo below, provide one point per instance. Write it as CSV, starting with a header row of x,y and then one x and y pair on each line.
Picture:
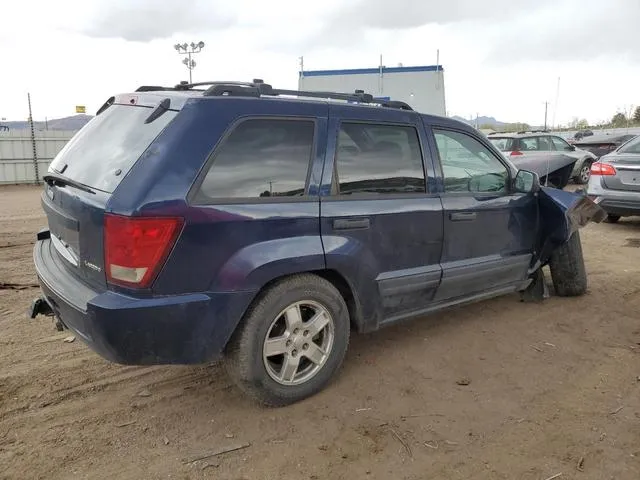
x,y
364,71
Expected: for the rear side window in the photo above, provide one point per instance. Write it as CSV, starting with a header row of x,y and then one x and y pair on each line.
x,y
631,147
261,158
382,159
102,153
504,144
528,144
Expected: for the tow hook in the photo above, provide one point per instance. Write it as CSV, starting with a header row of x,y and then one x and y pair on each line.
x,y
41,307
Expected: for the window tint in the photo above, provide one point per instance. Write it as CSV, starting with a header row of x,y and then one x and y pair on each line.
x,y
631,147
469,166
544,144
560,144
379,159
102,153
261,158
504,144
529,144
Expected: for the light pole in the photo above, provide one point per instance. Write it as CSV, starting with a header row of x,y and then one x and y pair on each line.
x,y
189,49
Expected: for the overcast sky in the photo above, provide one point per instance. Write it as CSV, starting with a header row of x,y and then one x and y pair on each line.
x,y
500,57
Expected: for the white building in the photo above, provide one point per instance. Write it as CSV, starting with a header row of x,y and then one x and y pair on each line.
x,y
421,87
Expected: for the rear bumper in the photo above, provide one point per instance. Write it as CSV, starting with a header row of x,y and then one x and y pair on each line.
x,y
614,202
183,329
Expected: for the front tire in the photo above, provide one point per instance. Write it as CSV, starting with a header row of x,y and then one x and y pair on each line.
x,y
567,268
291,341
584,175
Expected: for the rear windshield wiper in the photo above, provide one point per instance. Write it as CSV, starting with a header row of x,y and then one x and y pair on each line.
x,y
56,179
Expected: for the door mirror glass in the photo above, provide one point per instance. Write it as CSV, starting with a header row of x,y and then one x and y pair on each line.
x,y
527,182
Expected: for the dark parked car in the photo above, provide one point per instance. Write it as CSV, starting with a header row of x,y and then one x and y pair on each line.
x,y
582,134
230,220
603,144
615,181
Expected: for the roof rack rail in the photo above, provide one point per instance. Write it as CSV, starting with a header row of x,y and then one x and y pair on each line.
x,y
258,88
533,131
152,88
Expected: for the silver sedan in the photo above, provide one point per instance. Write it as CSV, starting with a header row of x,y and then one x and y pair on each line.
x,y
615,181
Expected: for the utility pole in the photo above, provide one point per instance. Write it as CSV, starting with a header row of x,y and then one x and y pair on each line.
x,y
33,142
189,50
546,105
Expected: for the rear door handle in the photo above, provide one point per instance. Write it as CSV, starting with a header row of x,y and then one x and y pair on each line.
x,y
351,223
462,216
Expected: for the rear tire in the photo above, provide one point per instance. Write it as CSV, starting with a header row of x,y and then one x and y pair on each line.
x,y
612,218
279,355
567,268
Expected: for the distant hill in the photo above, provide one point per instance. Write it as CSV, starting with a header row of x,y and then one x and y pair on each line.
x,y
482,121
75,122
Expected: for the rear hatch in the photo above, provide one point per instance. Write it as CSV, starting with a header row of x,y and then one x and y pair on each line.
x,y
86,172
626,161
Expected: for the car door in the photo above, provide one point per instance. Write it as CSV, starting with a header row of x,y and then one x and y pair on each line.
x,y
381,228
489,230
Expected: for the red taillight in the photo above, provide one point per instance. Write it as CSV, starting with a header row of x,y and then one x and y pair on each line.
x,y
515,153
135,248
599,168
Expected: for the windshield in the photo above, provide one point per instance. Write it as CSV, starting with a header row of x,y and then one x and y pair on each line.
x,y
632,146
504,144
103,152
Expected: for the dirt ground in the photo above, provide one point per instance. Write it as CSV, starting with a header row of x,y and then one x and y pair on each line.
x,y
553,388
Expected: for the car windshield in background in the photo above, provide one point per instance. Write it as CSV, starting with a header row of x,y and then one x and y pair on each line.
x,y
632,146
103,152
504,144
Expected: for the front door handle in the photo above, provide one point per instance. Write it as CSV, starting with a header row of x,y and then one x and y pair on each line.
x,y
351,223
462,216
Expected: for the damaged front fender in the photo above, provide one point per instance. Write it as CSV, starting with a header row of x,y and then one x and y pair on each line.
x,y
561,214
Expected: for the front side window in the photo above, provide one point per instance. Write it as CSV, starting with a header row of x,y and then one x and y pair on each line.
x,y
261,158
560,144
468,165
378,159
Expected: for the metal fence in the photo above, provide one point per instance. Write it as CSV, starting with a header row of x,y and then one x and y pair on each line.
x,y
17,163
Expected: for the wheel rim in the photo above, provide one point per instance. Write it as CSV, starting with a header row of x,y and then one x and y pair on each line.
x,y
298,343
585,173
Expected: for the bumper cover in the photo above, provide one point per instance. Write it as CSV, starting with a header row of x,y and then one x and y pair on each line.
x,y
184,329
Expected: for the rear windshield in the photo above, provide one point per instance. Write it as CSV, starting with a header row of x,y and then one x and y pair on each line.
x,y
103,152
504,144
632,146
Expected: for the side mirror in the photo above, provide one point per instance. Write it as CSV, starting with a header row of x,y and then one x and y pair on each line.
x,y
526,182
570,148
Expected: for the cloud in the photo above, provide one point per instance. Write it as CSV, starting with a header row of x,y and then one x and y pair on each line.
x,y
146,20
572,31
401,14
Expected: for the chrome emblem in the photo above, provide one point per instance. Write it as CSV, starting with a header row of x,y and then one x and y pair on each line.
x,y
92,266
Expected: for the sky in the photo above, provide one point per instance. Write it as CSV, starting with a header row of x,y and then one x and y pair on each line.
x,y
501,58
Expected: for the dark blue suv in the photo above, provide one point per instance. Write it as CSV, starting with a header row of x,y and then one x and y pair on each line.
x,y
257,225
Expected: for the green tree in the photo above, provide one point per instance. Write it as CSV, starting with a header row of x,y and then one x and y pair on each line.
x,y
619,120
582,124
636,116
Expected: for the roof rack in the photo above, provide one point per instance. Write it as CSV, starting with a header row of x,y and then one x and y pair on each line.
x,y
518,133
258,88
